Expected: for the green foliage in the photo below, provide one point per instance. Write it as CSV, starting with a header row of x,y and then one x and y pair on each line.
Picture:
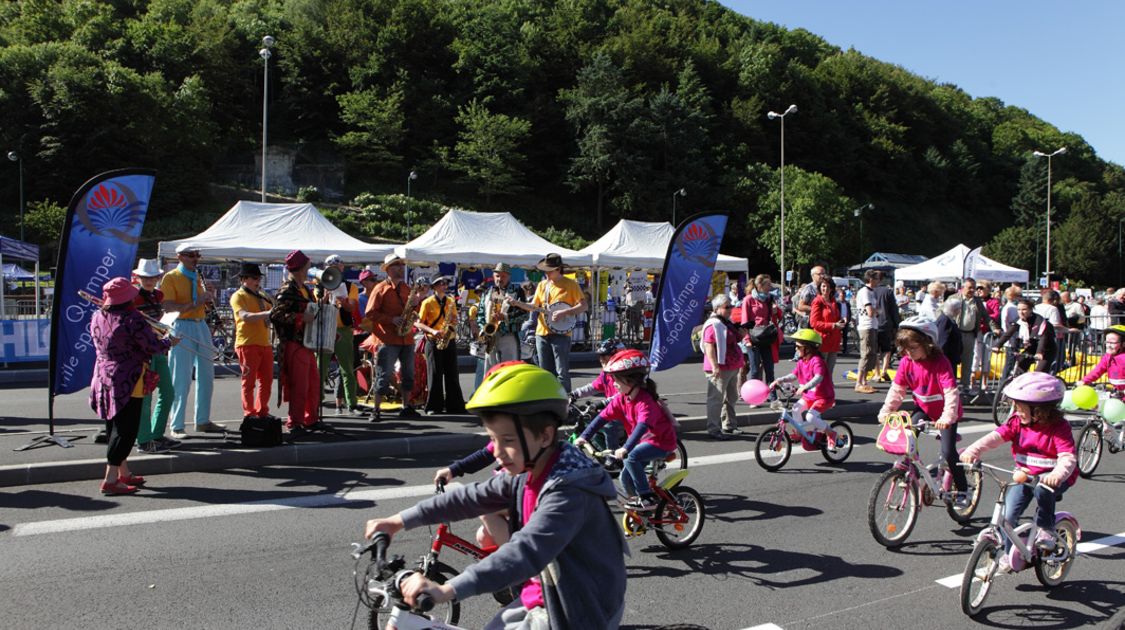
x,y
308,193
43,223
1084,246
1015,246
385,217
818,219
565,237
488,150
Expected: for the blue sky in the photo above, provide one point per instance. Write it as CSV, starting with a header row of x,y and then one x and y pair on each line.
x,y
1062,61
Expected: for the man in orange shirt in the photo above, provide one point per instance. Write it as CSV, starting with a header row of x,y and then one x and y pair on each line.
x,y
185,293
385,307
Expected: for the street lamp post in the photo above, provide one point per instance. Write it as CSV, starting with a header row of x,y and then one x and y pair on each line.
x,y
679,193
772,115
858,212
15,157
409,178
265,54
1059,151
1119,221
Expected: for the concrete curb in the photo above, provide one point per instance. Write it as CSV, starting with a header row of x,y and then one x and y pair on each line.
x,y
298,454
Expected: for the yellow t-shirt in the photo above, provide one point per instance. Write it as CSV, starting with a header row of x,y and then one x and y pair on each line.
x,y
547,293
429,313
177,288
254,333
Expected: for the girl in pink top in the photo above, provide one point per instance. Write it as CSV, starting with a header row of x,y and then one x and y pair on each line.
x,y
1113,361
1042,444
927,374
816,389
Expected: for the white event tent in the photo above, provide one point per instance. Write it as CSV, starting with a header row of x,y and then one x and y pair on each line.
x,y
643,245
961,262
484,239
266,232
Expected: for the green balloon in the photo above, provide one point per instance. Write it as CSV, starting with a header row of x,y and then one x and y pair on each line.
x,y
1114,410
1085,397
1067,403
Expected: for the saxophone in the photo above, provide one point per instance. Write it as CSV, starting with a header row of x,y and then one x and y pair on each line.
x,y
448,333
410,312
488,337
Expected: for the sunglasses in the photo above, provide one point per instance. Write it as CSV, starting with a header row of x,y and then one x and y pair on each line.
x,y
190,254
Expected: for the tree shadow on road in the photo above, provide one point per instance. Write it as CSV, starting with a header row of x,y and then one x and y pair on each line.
x,y
311,486
33,499
769,568
725,507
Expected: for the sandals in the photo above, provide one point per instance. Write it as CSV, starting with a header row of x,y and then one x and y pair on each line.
x,y
865,389
132,480
118,488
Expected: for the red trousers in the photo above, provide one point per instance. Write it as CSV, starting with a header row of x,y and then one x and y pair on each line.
x,y
257,369
302,381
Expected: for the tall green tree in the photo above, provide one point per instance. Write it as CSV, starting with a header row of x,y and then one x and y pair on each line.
x,y
817,215
1029,205
488,150
1085,244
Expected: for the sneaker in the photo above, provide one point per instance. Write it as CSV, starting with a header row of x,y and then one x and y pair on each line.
x,y
642,503
409,412
298,430
962,500
1004,564
718,435
320,425
149,448
831,441
1045,540
732,431
168,443
210,427
179,434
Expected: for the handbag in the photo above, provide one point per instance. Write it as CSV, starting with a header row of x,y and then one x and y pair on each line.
x,y
260,432
897,436
764,335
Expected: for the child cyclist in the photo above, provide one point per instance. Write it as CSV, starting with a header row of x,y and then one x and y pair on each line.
x,y
1042,444
927,373
603,384
564,530
815,383
651,434
1113,361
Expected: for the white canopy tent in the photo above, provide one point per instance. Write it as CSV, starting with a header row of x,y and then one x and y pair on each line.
x,y
961,262
643,245
484,238
266,232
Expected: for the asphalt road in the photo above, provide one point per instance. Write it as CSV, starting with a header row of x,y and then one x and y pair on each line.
x,y
268,548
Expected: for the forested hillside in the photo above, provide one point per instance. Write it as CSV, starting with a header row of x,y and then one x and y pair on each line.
x,y
569,113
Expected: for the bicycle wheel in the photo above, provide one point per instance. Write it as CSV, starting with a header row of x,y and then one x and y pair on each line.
x,y
892,508
1051,572
1001,406
676,535
773,448
964,515
1089,449
979,573
448,612
843,447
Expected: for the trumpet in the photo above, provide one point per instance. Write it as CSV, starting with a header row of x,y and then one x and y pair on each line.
x,y
159,327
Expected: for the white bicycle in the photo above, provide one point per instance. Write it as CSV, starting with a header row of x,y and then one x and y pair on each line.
x,y
380,584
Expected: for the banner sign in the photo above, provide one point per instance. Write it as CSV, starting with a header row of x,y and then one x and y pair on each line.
x,y
685,285
24,340
99,242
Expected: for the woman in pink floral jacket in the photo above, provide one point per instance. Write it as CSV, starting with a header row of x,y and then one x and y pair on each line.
x,y
125,343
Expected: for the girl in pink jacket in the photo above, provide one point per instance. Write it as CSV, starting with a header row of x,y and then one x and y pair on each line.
x,y
1113,361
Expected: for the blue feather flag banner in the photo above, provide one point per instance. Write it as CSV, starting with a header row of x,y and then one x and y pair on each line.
x,y
99,242
685,286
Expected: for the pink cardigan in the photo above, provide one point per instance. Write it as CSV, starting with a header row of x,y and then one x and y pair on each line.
x,y
756,311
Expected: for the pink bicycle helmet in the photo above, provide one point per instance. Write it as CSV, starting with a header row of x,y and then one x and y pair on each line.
x,y
1037,388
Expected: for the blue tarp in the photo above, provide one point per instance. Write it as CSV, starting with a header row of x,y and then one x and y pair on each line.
x,y
12,248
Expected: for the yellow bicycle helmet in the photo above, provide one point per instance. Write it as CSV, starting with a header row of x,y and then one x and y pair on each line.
x,y
519,388
1117,328
807,337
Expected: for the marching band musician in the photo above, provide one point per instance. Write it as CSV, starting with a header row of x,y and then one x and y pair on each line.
x,y
438,318
508,328
299,379
251,310
385,307
555,289
186,293
346,298
154,419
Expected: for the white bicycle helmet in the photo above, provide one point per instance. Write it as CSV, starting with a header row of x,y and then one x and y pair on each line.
x,y
922,324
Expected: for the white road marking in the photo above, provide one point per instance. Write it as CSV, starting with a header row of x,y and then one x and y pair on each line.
x,y
316,500
954,581
765,626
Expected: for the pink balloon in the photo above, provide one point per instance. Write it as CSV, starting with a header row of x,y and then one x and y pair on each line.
x,y
755,392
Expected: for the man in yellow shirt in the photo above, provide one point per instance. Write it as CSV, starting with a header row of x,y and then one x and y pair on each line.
x,y
186,293
558,301
251,310
346,299
436,315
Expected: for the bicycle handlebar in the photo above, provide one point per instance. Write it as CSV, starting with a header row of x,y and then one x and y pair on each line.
x,y
1032,480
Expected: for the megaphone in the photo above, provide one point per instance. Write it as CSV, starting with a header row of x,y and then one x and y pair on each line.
x,y
329,278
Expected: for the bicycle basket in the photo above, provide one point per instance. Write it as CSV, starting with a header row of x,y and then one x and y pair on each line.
x,y
897,436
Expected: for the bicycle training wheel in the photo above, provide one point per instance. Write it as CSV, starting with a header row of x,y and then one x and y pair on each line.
x,y
448,612
773,448
1089,449
843,447
1001,405
892,508
677,526
979,573
1051,572
964,515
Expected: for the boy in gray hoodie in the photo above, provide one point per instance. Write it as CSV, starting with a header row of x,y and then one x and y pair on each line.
x,y
566,552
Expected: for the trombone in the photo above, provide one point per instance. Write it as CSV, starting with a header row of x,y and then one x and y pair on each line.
x,y
162,329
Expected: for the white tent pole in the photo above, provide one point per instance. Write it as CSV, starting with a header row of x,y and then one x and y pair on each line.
x,y
37,311
596,319
3,283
